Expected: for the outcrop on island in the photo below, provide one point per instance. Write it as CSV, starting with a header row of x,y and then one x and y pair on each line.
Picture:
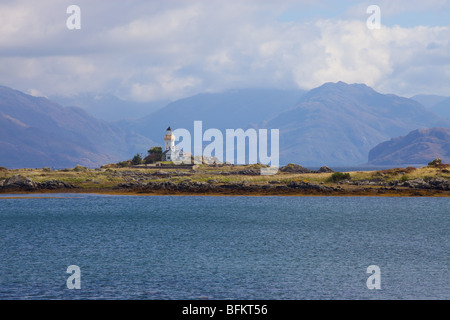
x,y
295,168
20,183
325,169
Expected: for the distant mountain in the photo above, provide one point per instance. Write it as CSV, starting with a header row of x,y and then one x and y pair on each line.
x,y
442,108
229,110
417,147
108,107
335,124
36,132
338,124
428,100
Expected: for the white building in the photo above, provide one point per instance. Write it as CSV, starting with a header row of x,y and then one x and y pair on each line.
x,y
170,153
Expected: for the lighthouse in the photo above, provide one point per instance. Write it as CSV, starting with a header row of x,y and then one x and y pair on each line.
x,y
172,154
169,140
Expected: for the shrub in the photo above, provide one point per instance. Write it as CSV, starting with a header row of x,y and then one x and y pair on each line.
x,y
404,178
124,164
154,155
79,168
137,159
339,176
109,166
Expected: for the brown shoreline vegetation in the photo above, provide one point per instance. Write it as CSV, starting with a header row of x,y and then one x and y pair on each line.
x,y
229,180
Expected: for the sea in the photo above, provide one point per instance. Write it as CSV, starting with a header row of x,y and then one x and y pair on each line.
x,y
88,246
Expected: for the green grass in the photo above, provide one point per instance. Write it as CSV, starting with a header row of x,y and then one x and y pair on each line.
x,y
86,178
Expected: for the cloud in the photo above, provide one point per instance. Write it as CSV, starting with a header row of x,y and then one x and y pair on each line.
x,y
151,50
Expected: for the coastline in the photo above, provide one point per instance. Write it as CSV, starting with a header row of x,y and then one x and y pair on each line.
x,y
430,181
371,192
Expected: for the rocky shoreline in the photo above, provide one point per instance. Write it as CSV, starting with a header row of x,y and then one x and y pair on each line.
x,y
375,187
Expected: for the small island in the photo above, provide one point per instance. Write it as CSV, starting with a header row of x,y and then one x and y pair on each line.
x,y
165,178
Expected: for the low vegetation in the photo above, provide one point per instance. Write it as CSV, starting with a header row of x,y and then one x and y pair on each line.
x,y
112,175
339,176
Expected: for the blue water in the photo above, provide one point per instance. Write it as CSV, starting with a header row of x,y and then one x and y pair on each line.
x,y
224,247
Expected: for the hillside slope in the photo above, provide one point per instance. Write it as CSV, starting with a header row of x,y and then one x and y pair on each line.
x,y
417,147
36,132
229,110
338,124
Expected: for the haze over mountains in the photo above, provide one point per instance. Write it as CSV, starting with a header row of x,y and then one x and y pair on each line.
x,y
428,100
336,124
442,108
229,110
36,132
109,107
437,104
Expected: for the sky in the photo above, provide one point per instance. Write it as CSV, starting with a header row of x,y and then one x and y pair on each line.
x,y
144,50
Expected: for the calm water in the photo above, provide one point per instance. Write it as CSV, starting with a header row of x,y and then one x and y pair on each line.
x,y
224,247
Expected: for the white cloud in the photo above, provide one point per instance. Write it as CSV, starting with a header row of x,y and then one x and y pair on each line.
x,y
150,50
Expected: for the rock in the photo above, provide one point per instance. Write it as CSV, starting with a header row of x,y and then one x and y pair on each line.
x,y
360,182
440,184
435,162
54,184
19,182
325,170
295,168
307,186
418,183
249,172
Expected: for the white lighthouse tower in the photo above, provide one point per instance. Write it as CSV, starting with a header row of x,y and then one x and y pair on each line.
x,y
172,154
169,140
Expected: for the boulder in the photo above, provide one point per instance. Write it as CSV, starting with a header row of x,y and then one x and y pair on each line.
x,y
19,182
439,184
53,185
295,168
325,170
435,162
249,172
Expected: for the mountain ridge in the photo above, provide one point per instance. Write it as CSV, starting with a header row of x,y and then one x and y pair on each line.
x,y
36,132
339,123
335,124
418,147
